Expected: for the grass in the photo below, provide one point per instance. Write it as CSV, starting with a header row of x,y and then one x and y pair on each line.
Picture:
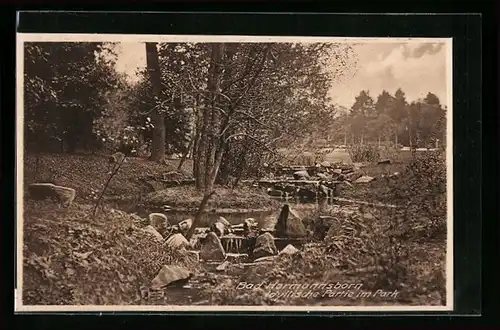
x,y
88,173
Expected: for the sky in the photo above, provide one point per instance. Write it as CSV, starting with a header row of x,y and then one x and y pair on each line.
x,y
416,68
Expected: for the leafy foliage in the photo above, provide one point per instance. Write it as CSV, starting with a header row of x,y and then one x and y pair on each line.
x,y
65,84
364,153
71,260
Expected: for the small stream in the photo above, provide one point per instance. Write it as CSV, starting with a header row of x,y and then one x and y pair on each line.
x,y
234,216
208,277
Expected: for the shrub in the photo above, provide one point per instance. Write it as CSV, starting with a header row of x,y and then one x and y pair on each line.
x,y
363,153
422,190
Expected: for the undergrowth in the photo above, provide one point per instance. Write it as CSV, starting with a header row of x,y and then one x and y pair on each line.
x,y
70,260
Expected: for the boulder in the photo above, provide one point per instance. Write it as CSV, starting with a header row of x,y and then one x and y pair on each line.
x,y
384,161
347,183
364,179
353,176
64,195
322,176
177,241
212,249
170,275
223,266
325,164
218,228
159,221
301,175
224,221
264,246
117,157
337,171
185,225
290,224
149,229
289,250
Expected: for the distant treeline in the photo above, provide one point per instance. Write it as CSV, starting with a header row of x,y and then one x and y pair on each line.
x,y
391,120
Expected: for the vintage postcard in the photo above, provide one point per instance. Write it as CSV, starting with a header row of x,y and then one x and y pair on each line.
x,y
233,173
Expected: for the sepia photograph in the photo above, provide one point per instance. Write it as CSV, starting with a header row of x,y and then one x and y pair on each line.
x,y
233,173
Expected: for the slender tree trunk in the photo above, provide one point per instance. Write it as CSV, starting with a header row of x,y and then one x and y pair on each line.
x,y
153,65
101,195
211,148
197,218
186,153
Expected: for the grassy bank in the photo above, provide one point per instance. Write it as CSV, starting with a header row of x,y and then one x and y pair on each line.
x,y
88,173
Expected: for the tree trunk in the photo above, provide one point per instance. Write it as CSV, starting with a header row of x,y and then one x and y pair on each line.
x,y
209,150
186,153
158,117
197,218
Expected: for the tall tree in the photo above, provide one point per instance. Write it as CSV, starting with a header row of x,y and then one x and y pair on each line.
x,y
431,120
399,112
384,102
362,110
65,84
158,113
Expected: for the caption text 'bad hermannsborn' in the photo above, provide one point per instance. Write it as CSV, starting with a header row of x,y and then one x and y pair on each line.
x,y
316,290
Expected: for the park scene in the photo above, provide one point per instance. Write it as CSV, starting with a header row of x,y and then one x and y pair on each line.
x,y
234,173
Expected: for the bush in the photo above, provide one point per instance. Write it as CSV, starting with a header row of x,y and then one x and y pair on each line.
x,y
364,153
422,190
